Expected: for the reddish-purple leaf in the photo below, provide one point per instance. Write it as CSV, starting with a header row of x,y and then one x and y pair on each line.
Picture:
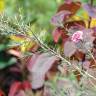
x,y
69,48
14,87
88,35
75,24
90,9
32,61
18,88
68,1
39,68
26,85
58,19
72,7
1,93
86,64
94,31
20,93
56,35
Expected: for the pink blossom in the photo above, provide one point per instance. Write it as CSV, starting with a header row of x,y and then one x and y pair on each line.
x,y
77,36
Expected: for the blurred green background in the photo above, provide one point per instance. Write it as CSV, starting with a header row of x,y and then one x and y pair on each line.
x,y
37,12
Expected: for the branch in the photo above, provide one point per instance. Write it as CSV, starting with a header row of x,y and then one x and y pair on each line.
x,y
90,18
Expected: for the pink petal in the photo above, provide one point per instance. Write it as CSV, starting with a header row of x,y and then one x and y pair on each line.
x,y
77,36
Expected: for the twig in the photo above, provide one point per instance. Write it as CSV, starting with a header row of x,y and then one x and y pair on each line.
x,y
62,58
90,18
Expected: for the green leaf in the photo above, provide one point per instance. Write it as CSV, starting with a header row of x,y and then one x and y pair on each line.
x,y
4,64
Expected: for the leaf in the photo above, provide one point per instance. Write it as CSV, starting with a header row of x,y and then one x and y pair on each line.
x,y
90,9
86,64
64,12
78,75
72,7
77,24
68,1
14,88
94,31
1,93
24,43
21,93
26,85
58,19
87,39
2,5
64,35
82,14
15,53
79,55
92,63
56,35
6,60
84,1
69,48
93,23
38,67
18,88
88,35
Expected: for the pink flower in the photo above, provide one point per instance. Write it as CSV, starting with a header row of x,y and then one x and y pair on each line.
x,y
77,36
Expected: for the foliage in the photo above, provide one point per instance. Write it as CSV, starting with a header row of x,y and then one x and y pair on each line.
x,y
61,62
5,58
32,11
2,5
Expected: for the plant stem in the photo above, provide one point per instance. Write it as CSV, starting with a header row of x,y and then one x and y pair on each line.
x,y
90,18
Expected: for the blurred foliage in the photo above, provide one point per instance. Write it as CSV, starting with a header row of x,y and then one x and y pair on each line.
x,y
2,3
5,58
36,12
